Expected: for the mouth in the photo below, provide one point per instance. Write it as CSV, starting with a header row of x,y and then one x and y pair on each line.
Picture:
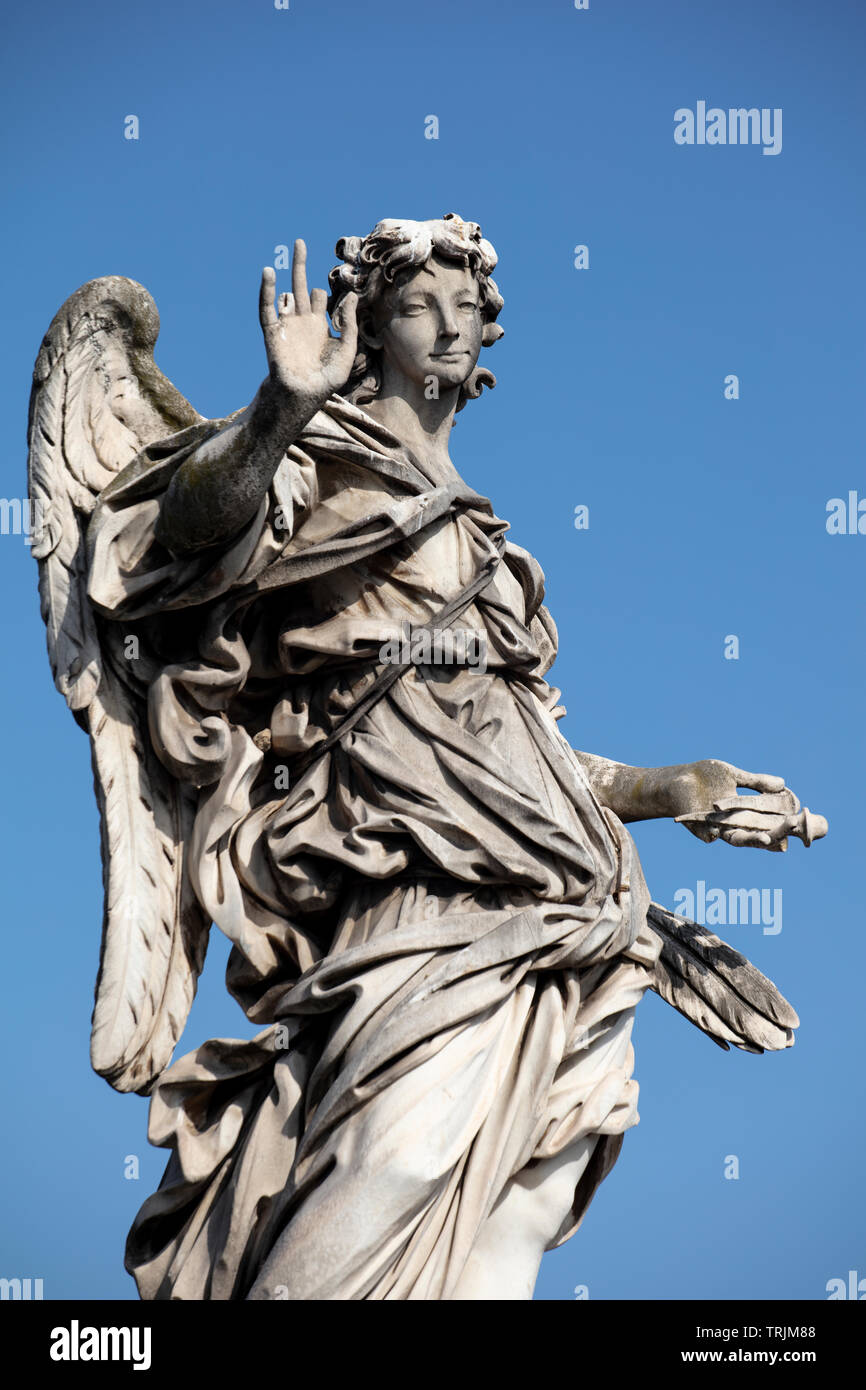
x,y
448,356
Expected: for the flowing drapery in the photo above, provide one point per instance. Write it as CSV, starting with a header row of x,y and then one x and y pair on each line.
x,y
439,928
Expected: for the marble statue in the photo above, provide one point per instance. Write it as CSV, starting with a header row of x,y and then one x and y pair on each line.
x,y
439,922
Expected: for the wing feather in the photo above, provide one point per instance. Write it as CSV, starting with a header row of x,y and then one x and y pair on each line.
x,y
155,934
717,988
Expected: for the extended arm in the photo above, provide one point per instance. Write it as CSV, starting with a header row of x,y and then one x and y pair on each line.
x,y
218,489
706,793
641,793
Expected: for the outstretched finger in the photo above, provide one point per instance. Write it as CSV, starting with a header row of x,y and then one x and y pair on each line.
x,y
267,312
758,839
758,781
299,278
319,301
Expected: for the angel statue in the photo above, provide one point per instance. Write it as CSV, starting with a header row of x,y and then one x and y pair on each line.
x,y
440,926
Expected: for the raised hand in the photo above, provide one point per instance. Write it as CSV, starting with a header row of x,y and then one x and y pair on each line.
x,y
710,808
304,357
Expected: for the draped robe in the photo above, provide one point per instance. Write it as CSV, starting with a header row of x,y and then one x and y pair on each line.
x,y
437,927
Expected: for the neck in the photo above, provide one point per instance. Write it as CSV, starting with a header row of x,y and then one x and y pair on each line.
x,y
424,425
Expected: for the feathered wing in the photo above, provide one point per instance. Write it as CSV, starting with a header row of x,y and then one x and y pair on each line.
x,y
717,988
97,400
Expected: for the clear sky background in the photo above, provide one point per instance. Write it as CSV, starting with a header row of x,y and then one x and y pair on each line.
x,y
707,516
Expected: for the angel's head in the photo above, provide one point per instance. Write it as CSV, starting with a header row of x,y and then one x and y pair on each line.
x,y
426,304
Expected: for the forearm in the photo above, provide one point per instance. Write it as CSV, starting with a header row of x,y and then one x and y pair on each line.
x,y
636,793
219,488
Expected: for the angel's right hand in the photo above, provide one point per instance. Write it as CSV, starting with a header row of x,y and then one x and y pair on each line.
x,y
304,358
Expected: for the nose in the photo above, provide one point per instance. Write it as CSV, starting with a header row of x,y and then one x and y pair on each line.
x,y
448,323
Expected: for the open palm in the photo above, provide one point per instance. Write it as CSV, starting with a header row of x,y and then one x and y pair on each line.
x,y
304,357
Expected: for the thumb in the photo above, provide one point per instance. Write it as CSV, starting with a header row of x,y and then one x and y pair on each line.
x,y
349,322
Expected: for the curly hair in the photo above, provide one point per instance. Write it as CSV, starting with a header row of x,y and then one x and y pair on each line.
x,y
397,246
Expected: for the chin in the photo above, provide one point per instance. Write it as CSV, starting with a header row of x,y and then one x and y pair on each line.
x,y
452,376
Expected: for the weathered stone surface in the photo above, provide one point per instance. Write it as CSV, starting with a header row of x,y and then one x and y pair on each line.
x,y
312,669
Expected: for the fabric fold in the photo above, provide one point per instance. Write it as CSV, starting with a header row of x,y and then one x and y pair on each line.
x,y
441,930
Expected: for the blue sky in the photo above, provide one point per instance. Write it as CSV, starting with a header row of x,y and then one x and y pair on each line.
x,y
707,515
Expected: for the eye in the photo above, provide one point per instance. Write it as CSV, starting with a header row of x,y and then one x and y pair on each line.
x,y
468,304
413,308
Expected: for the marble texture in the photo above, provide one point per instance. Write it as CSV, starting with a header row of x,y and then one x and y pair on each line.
x,y
439,921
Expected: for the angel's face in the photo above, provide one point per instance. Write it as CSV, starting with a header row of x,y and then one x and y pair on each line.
x,y
430,326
